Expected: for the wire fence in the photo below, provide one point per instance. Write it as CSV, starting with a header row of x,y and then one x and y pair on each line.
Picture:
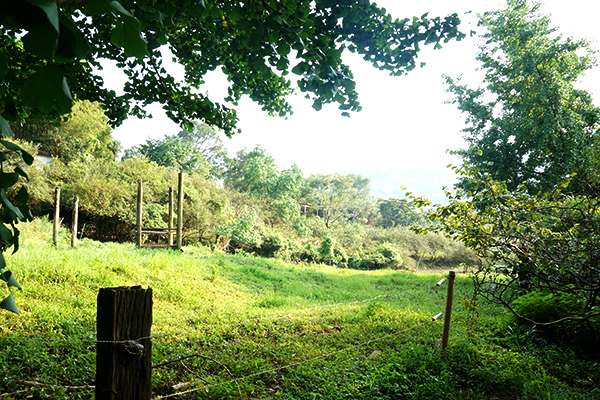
x,y
133,347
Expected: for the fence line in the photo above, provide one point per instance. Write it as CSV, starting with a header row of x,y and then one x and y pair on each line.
x,y
162,335
159,336
234,380
133,343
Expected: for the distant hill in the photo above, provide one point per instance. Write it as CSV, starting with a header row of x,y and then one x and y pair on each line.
x,y
427,183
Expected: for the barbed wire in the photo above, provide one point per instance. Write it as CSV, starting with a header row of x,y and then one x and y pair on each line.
x,y
182,332
292,365
280,317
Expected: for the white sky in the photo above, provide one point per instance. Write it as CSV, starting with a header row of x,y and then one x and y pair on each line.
x,y
404,124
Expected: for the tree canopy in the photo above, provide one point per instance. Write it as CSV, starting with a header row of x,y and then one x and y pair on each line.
x,y
51,50
528,200
85,133
527,121
171,152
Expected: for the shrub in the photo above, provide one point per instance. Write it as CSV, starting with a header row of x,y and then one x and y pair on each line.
x,y
544,306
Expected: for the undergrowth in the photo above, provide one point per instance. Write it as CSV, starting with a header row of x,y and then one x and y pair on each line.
x,y
231,326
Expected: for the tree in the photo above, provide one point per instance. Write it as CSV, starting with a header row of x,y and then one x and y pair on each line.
x,y
397,212
252,42
527,122
541,252
528,199
85,132
171,152
205,140
338,198
256,172
253,172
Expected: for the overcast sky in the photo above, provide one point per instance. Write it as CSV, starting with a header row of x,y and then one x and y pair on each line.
x,y
405,124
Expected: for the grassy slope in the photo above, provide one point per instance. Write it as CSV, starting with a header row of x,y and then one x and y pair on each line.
x,y
380,347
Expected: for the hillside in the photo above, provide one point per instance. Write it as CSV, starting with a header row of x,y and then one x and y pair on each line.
x,y
231,326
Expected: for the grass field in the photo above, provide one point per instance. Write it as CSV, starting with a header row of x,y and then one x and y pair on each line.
x,y
232,326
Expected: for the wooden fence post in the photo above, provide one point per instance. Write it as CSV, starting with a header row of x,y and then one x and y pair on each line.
x,y
138,223
446,332
171,201
75,221
56,215
180,212
124,370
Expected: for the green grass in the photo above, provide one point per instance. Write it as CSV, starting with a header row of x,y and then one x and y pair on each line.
x,y
298,331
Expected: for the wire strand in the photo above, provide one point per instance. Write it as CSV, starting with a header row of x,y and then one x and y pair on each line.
x,y
205,387
162,335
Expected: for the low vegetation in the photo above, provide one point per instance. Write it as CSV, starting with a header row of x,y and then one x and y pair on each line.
x,y
239,326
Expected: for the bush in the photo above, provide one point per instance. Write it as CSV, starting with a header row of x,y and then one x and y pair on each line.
x,y
543,307
385,256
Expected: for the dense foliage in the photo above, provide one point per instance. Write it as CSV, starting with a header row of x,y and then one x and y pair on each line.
x,y
279,214
528,199
527,123
50,49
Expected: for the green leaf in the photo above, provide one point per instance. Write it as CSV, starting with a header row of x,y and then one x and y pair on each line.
x,y
71,42
47,90
41,41
119,9
3,65
127,34
28,158
5,128
9,304
10,205
19,169
2,263
95,7
10,280
50,9
22,195
8,179
5,236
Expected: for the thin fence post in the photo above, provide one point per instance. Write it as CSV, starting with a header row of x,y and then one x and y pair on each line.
x,y
446,332
56,216
138,223
124,369
75,221
171,201
180,212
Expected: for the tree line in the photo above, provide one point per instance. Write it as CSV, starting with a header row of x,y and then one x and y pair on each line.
x,y
244,203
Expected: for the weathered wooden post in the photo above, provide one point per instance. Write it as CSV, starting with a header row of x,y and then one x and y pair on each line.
x,y
180,212
138,223
56,215
124,369
171,201
446,331
75,218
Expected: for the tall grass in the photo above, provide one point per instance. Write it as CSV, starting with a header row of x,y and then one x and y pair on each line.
x,y
300,331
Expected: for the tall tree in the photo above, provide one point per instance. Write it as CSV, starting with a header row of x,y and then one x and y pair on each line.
x,y
171,152
527,123
205,141
85,132
256,172
256,43
528,201
338,198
